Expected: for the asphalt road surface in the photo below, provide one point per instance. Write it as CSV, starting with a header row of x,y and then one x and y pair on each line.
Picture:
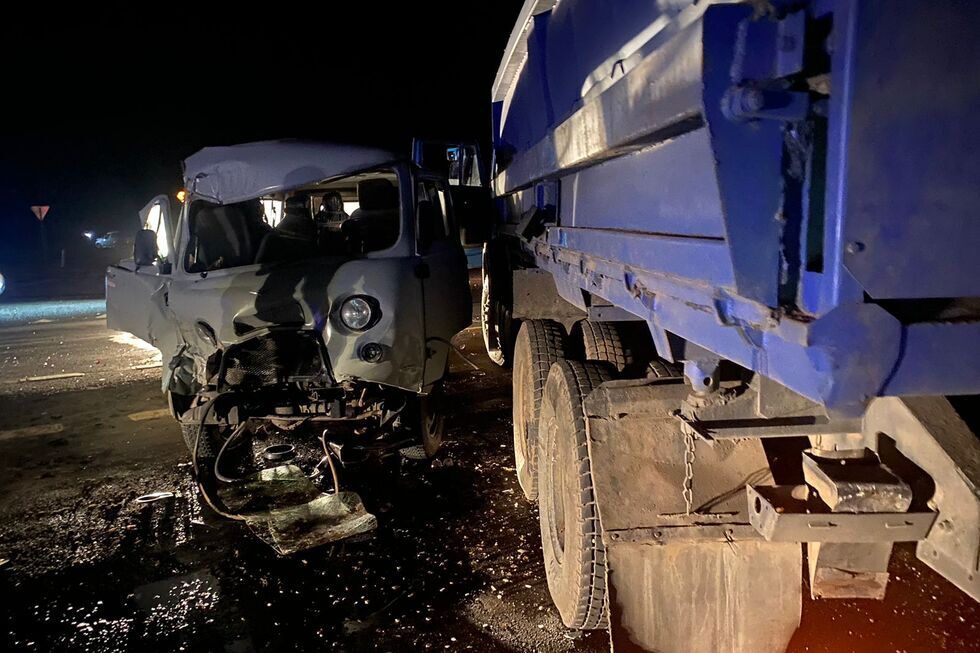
x,y
454,565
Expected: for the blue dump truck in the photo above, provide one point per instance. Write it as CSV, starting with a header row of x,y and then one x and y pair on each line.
x,y
736,270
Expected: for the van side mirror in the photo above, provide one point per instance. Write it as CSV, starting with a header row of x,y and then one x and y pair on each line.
x,y
145,250
474,212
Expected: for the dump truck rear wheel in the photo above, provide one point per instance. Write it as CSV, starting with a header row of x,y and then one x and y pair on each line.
x,y
571,535
661,369
540,343
603,342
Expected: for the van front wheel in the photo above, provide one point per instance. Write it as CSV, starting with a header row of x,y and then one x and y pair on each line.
x,y
496,298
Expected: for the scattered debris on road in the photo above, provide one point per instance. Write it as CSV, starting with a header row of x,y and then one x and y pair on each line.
x,y
154,496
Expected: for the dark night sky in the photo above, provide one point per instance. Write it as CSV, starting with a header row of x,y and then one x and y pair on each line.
x,y
103,101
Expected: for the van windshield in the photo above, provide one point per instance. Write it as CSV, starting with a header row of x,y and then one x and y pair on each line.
x,y
346,217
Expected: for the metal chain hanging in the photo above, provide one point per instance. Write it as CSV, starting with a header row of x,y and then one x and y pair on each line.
x,y
688,489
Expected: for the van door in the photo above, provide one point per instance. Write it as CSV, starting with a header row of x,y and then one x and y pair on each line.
x,y
461,164
137,290
442,270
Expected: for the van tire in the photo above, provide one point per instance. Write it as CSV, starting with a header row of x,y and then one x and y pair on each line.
x,y
571,533
540,343
432,420
496,304
210,443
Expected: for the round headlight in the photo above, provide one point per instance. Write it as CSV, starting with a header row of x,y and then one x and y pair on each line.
x,y
356,313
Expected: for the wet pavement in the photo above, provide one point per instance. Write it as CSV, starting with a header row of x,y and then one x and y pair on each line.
x,y
40,312
454,565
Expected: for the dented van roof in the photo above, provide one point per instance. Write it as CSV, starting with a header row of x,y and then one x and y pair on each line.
x,y
234,173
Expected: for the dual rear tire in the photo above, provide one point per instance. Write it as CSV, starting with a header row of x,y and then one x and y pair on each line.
x,y
540,344
552,461
751,595
571,533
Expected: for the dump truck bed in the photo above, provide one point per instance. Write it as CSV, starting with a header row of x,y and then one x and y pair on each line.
x,y
790,186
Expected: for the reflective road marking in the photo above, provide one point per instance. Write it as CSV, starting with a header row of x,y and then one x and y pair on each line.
x,y
29,431
52,377
144,415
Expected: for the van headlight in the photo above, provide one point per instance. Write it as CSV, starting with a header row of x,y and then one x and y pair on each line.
x,y
358,313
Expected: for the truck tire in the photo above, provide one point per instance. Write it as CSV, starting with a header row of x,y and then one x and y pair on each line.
x,y
540,343
496,304
571,535
661,369
604,342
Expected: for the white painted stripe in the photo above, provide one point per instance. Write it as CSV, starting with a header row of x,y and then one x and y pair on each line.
x,y
31,431
52,377
144,415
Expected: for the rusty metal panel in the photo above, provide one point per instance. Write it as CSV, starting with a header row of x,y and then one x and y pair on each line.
x,y
781,518
704,598
536,298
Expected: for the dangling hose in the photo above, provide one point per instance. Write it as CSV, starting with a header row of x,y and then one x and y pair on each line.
x,y
327,457
234,436
214,504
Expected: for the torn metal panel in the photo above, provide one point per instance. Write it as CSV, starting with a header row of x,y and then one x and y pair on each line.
x,y
240,302
286,511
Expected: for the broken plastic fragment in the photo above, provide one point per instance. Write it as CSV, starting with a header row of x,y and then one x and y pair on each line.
x,y
154,496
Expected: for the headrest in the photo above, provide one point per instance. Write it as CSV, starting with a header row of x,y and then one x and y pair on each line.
x,y
296,204
296,225
332,202
377,195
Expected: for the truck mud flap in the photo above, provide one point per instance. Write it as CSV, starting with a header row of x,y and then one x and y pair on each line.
x,y
686,571
703,597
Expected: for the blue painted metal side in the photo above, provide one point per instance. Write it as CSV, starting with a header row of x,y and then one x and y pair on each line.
x,y
913,221
672,181
791,190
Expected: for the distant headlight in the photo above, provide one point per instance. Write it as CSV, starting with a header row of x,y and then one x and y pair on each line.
x,y
357,313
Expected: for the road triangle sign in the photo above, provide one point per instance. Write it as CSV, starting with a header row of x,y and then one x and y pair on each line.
x,y
40,211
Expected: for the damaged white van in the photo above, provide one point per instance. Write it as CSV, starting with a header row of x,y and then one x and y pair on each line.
x,y
299,286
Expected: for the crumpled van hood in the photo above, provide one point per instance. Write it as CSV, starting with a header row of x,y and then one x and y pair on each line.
x,y
237,304
235,173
